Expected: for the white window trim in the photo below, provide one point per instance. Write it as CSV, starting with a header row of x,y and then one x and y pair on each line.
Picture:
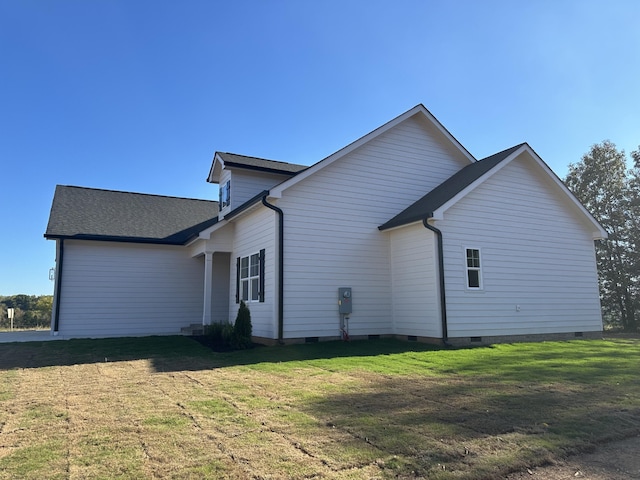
x,y
249,279
467,268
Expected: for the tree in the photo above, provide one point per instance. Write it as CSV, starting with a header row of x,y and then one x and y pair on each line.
x,y
611,193
634,226
242,327
30,311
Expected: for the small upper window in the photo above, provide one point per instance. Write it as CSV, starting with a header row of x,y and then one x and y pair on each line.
x,y
474,277
225,195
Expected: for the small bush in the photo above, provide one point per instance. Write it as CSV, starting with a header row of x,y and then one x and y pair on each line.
x,y
242,328
219,332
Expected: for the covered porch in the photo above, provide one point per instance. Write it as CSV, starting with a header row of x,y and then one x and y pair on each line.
x,y
215,250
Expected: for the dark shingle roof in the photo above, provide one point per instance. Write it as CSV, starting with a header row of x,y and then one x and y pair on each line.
x,y
253,163
93,214
444,192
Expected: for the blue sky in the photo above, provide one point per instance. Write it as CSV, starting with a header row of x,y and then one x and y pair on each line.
x,y
138,95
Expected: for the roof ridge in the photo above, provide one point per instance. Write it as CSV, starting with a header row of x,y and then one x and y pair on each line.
x,y
137,193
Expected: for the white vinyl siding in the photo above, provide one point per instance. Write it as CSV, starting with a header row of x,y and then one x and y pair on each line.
x,y
246,184
538,262
415,290
122,289
331,234
254,232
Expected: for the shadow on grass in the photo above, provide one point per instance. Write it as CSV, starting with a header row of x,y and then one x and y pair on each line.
x,y
474,425
582,361
170,353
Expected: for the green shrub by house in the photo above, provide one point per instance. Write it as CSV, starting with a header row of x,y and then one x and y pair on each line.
x,y
242,328
219,332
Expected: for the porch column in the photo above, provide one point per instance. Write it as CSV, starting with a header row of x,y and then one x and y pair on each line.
x,y
208,283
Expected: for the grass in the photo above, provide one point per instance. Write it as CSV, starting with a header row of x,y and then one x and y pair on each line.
x,y
166,407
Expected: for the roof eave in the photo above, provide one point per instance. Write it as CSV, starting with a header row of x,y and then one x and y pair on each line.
x,y
394,225
115,238
212,171
599,233
261,169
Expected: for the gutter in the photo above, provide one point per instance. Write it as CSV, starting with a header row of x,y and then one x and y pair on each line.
x,y
59,262
280,265
443,296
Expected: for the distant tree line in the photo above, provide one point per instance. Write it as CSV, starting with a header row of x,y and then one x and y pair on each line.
x,y
610,190
30,311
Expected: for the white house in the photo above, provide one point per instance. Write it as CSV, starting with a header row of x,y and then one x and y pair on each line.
x,y
401,233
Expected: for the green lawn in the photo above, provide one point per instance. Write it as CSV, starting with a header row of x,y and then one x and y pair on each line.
x,y
166,407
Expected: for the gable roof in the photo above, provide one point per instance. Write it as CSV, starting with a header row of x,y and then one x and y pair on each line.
x,y
94,214
276,192
447,190
435,203
225,159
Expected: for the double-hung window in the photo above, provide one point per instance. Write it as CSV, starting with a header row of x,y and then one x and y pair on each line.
x,y
250,278
474,273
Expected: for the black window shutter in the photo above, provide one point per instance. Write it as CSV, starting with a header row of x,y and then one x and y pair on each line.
x,y
261,293
238,280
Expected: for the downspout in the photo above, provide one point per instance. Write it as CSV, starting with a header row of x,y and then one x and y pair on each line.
x,y
280,265
443,296
59,262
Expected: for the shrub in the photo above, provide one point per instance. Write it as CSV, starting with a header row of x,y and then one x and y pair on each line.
x,y
219,332
242,328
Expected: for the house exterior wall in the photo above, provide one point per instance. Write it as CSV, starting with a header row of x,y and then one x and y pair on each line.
x,y
538,262
246,184
414,282
254,232
125,289
331,234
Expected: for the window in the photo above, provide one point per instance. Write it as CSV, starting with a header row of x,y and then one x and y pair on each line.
x,y
474,277
250,278
225,195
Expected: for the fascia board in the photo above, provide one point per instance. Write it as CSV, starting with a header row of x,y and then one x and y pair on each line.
x,y
115,239
438,214
276,192
216,161
447,134
398,227
599,232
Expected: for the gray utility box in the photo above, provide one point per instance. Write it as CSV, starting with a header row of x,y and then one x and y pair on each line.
x,y
344,300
